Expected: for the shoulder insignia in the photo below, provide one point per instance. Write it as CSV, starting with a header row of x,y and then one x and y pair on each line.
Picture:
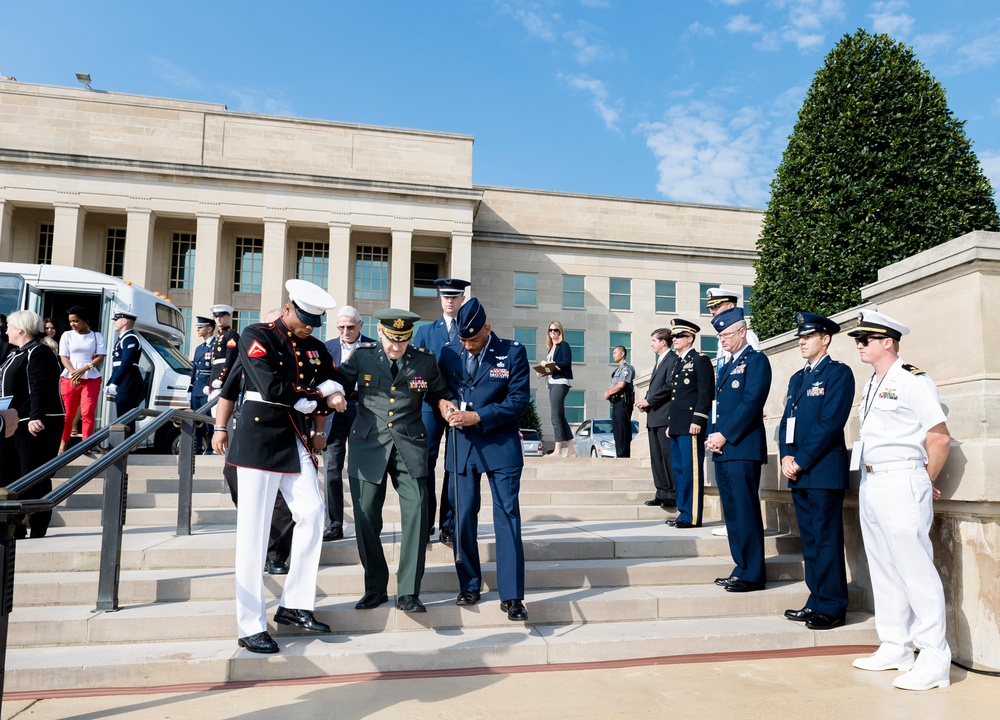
x,y
366,345
913,370
421,350
516,343
256,350
231,343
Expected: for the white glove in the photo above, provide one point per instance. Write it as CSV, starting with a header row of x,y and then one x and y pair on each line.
x,y
216,384
206,390
210,396
111,391
329,387
306,407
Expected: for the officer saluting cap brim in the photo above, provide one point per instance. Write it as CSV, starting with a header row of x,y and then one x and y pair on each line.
x,y
396,324
123,314
451,287
726,318
471,318
310,301
683,327
811,322
875,323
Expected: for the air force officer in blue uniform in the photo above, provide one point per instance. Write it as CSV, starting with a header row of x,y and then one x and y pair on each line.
x,y
814,459
738,445
491,379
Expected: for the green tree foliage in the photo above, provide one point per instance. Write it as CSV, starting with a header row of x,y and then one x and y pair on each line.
x,y
529,419
876,169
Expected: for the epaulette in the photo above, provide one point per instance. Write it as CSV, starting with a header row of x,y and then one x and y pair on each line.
x,y
913,370
422,350
368,345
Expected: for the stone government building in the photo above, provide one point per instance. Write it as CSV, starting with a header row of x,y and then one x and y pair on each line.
x,y
207,205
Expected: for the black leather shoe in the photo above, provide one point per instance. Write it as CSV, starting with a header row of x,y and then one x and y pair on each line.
x,y
259,643
370,601
275,567
799,615
724,581
670,521
515,609
447,536
336,533
655,502
668,503
467,597
410,604
822,621
300,618
683,524
741,585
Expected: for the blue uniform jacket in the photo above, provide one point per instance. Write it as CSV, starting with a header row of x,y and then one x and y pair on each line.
x,y
499,392
740,393
201,370
432,336
821,406
125,373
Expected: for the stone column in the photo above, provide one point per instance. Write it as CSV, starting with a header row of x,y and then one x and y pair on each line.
x,y
339,277
461,256
67,235
400,267
139,256
6,231
206,267
272,286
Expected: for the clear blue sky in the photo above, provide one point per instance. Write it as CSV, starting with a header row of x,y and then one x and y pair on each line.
x,y
687,100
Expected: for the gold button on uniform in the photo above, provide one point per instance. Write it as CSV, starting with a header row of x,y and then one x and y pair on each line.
x,y
390,413
390,424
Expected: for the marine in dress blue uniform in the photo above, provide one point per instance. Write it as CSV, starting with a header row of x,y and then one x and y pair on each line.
x,y
225,349
126,385
201,371
434,336
691,401
739,448
815,461
491,379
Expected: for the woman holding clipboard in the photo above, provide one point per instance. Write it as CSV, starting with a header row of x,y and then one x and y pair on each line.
x,y
558,367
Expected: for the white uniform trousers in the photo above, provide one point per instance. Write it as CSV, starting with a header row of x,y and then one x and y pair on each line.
x,y
258,489
896,510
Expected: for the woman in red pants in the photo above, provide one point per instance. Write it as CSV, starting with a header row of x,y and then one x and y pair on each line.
x,y
81,351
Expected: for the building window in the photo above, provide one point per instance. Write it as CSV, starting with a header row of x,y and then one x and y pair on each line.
x,y
526,289
312,262
576,406
703,289
620,297
371,273
244,318
45,234
710,345
186,316
666,296
616,339
527,337
573,291
114,254
249,270
182,254
575,338
747,300
424,275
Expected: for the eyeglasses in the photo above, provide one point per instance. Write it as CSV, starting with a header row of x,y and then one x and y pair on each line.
x,y
865,339
555,330
727,335
346,327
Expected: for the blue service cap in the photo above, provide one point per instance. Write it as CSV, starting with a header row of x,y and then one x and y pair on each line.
x,y
451,287
471,318
202,321
726,318
811,322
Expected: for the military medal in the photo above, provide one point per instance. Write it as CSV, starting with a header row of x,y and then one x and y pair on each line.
x,y
736,384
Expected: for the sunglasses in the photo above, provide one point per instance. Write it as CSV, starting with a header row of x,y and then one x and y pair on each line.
x,y
555,330
865,339
346,327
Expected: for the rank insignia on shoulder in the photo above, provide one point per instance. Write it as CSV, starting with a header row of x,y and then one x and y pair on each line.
x,y
423,350
231,343
913,370
256,350
367,345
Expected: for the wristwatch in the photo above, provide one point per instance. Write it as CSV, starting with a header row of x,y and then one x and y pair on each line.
x,y
320,433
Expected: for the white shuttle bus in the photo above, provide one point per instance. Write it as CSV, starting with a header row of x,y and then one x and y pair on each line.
x,y
50,290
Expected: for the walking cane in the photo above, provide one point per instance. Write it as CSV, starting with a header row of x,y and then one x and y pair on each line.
x,y
458,504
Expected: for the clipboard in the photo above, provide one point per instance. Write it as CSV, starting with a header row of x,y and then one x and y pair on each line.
x,y
545,369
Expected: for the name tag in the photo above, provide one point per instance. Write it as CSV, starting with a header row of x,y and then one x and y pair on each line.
x,y
715,411
790,431
856,450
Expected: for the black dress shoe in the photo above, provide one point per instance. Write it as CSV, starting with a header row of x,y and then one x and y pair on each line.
x,y
467,597
668,503
724,581
799,615
683,524
447,536
822,621
370,601
741,585
336,533
259,643
300,618
670,521
410,604
275,567
655,502
515,609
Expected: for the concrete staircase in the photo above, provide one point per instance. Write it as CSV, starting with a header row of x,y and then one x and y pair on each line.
x,y
606,580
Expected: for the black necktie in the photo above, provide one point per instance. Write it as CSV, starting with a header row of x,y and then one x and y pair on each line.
x,y
395,369
473,365
452,330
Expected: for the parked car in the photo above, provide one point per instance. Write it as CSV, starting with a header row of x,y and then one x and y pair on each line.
x,y
531,444
596,438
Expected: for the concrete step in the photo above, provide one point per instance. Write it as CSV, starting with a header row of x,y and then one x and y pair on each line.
x,y
196,660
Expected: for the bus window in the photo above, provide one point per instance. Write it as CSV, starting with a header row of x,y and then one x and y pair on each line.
x,y
173,357
171,317
11,288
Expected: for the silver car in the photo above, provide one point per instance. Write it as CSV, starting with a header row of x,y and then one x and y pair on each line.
x,y
531,444
596,438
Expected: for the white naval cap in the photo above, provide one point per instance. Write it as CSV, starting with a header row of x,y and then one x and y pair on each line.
x,y
719,295
875,323
310,301
221,310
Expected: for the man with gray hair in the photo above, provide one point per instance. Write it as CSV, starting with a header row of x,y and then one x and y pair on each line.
x,y
338,427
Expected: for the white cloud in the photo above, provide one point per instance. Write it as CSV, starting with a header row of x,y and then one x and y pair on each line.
x,y
596,3
926,45
584,50
608,111
538,23
258,100
742,24
983,52
888,17
991,167
697,29
176,77
806,22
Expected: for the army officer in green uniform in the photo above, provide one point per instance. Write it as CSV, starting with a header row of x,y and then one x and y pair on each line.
x,y
388,439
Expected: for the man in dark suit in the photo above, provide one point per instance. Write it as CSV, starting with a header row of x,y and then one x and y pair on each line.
x,y
491,379
691,401
815,460
433,337
656,405
201,371
389,440
126,385
739,447
338,427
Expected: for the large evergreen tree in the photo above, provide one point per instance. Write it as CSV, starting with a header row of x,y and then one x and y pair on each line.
x,y
876,169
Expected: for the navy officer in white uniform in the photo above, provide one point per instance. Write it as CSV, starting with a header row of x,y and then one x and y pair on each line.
x,y
903,445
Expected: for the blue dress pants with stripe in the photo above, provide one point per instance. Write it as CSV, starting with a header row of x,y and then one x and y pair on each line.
x,y
739,490
687,452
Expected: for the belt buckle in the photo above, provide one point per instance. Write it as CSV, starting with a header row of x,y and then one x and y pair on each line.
x,y
869,468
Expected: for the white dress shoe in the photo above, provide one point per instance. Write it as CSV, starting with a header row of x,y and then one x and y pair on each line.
x,y
919,680
882,660
720,531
